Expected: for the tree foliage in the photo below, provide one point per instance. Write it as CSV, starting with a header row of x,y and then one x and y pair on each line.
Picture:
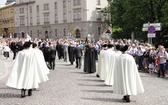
x,y
130,15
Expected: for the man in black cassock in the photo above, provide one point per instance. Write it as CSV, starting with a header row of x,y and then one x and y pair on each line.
x,y
59,48
89,59
71,53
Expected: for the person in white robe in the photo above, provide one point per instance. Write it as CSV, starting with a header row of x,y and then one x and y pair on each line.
x,y
110,75
127,80
26,74
100,60
6,51
105,66
40,62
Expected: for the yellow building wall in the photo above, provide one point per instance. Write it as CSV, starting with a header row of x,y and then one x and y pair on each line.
x,y
7,20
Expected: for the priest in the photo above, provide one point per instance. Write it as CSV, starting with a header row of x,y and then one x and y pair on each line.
x,y
109,80
100,61
105,66
27,72
127,80
89,59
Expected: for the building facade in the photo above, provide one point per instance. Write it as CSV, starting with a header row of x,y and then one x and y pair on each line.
x,y
59,18
7,20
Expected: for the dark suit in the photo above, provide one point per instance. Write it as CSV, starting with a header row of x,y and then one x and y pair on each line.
x,y
16,47
78,55
52,57
71,54
59,49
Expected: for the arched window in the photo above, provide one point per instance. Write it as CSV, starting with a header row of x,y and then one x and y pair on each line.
x,y
78,34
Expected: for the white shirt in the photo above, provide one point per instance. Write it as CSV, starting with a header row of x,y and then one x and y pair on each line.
x,y
6,49
139,52
162,60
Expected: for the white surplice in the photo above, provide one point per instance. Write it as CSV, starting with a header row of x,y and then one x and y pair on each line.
x,y
100,62
41,65
27,72
127,80
105,63
110,75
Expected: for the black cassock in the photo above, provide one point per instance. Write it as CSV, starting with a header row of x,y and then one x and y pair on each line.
x,y
89,60
71,54
59,49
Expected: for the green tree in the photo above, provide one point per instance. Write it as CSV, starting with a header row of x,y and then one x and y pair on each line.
x,y
130,15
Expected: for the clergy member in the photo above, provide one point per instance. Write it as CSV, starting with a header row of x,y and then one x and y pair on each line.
x,y
100,61
127,80
109,80
26,74
105,66
89,59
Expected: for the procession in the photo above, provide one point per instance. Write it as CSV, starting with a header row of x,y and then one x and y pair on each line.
x,y
118,61
83,52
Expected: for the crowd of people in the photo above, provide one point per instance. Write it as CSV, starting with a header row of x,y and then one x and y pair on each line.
x,y
118,60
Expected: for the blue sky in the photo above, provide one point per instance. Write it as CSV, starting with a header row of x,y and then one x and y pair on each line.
x,y
2,2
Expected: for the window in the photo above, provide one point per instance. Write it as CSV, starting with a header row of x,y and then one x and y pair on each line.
x,y
21,10
99,31
22,21
64,4
98,2
76,2
55,32
38,19
46,18
77,15
64,32
64,16
37,8
55,5
99,14
74,16
56,17
31,21
46,6
30,9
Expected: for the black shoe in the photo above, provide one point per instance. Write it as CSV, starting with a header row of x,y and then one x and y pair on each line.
x,y
124,98
158,76
79,67
23,93
97,75
30,92
128,98
76,66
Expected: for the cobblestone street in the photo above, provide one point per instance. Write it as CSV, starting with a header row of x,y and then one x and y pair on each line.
x,y
70,86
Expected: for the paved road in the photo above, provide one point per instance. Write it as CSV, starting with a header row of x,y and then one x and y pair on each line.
x,y
2,67
70,86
